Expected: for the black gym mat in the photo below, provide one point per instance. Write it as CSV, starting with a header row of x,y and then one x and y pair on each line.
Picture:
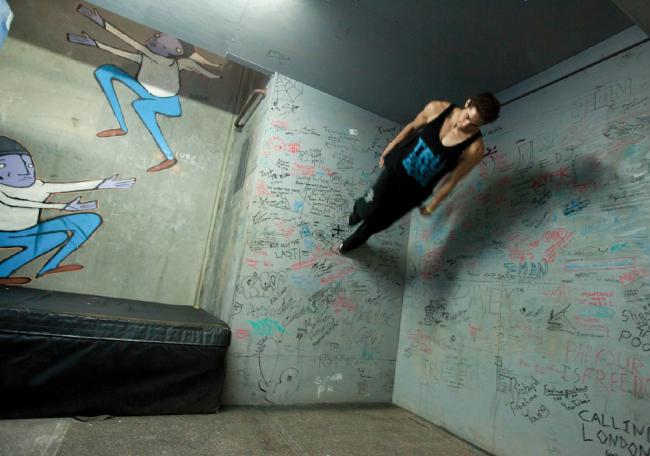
x,y
64,354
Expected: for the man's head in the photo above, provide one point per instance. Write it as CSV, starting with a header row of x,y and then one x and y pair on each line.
x,y
168,46
480,110
16,165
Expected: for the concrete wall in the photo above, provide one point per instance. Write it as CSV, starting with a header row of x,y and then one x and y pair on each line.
x,y
525,318
310,326
227,239
151,244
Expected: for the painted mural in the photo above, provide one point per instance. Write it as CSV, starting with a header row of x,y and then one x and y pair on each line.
x,y
161,58
23,197
154,100
6,16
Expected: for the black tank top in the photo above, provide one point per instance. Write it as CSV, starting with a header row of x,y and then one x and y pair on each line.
x,y
424,159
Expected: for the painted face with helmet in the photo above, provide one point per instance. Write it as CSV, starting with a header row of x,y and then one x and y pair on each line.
x,y
16,165
166,45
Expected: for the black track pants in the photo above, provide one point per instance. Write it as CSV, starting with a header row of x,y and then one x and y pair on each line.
x,y
385,203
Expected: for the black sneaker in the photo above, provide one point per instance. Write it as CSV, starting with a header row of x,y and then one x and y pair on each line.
x,y
353,219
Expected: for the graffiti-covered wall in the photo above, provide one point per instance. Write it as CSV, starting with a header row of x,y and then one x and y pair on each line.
x,y
526,309
113,141
309,325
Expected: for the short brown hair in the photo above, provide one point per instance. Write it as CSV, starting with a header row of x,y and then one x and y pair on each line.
x,y
486,105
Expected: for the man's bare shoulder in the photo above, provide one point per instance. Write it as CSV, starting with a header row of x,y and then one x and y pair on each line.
x,y
434,108
475,151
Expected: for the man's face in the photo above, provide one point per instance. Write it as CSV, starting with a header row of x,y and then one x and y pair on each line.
x,y
165,45
17,170
469,117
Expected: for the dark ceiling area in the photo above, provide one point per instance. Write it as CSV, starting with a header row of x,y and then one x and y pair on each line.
x,y
385,56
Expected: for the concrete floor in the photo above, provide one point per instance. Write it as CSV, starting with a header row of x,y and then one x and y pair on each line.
x,y
317,431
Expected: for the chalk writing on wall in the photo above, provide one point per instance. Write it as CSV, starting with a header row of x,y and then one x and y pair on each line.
x,y
535,274
327,321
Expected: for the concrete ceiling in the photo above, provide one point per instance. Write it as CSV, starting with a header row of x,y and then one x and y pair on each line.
x,y
389,57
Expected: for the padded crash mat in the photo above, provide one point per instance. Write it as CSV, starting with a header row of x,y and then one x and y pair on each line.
x,y
64,354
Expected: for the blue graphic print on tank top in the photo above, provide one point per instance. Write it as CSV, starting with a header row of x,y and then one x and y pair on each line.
x,y
422,164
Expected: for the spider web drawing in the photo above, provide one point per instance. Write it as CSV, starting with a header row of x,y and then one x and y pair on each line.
x,y
286,93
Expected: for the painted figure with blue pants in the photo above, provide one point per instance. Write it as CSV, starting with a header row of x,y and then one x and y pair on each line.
x,y
157,83
22,197
147,106
69,231
6,17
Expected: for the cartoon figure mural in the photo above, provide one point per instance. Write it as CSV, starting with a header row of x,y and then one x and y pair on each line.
x,y
157,82
22,196
6,16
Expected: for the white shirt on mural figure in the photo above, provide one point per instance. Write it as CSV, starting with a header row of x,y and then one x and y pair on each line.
x,y
20,208
158,74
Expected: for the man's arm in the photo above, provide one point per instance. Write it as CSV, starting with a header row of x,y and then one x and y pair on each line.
x,y
471,157
112,182
191,65
131,42
66,187
87,40
126,54
97,18
430,112
17,202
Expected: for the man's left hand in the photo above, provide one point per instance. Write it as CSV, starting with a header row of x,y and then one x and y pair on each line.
x,y
114,182
426,211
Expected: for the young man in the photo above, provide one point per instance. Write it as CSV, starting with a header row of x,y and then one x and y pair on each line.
x,y
443,139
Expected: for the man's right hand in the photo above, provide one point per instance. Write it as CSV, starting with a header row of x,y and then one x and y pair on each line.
x,y
77,205
383,156
91,14
84,39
